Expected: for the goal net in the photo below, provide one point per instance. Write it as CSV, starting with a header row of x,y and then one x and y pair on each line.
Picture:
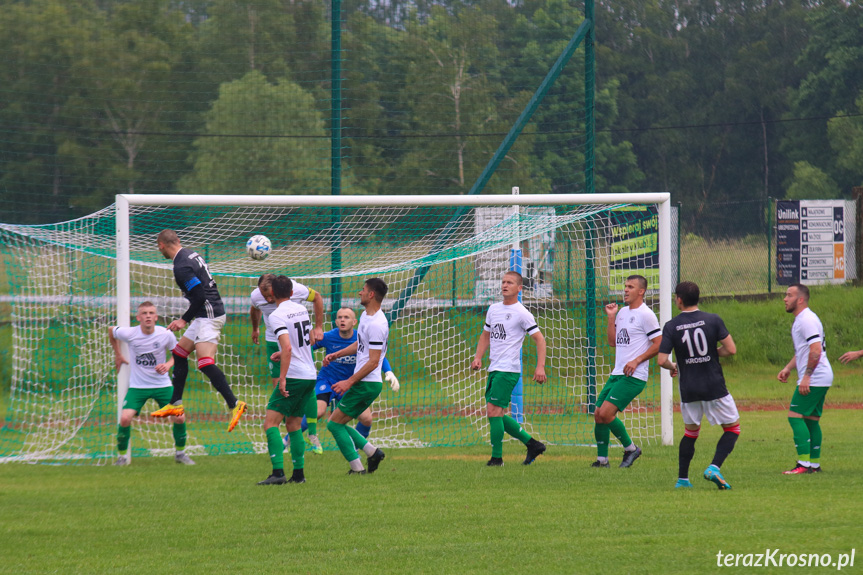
x,y
442,257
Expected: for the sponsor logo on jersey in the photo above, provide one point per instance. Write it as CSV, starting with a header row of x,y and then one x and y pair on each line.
x,y
498,332
146,360
623,337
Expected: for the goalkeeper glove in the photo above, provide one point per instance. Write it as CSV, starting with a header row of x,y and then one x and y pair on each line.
x,y
392,380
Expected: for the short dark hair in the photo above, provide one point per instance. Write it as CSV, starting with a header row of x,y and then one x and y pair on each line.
x,y
802,291
688,293
282,287
266,279
168,237
641,279
518,277
378,286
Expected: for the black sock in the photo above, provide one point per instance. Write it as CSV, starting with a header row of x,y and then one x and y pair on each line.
x,y
687,452
181,371
279,472
724,447
220,382
298,474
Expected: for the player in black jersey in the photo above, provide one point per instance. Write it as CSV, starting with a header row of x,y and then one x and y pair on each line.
x,y
694,336
205,318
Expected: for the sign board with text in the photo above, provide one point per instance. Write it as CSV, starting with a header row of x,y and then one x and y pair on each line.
x,y
810,241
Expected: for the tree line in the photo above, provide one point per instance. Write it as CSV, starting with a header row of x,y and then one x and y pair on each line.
x,y
715,102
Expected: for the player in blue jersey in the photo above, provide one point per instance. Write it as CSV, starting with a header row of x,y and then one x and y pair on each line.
x,y
204,318
342,368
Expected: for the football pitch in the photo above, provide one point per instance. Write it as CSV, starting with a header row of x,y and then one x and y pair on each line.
x,y
442,511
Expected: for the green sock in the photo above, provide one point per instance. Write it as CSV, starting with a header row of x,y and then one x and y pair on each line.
x,y
511,426
179,435
276,446
298,449
356,437
496,436
312,414
602,435
801,437
343,440
123,435
619,430
814,427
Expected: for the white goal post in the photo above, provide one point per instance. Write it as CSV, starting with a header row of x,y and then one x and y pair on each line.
x,y
127,204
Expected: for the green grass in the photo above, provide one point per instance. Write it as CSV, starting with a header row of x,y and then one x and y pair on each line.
x,y
437,511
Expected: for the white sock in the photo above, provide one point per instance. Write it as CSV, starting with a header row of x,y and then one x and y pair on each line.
x,y
602,459
814,465
356,464
369,449
180,452
631,447
803,463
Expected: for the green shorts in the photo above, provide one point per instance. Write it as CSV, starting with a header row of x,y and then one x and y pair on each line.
x,y
498,389
359,397
136,397
299,391
273,366
620,390
810,404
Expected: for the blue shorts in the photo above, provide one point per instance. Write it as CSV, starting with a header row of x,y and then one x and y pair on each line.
x,y
324,392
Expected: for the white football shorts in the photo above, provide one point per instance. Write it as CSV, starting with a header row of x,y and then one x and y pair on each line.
x,y
720,411
203,329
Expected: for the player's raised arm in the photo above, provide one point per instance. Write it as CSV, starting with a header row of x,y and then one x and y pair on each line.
x,y
610,328
317,333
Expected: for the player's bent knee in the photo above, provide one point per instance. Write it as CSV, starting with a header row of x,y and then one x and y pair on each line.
x,y
205,362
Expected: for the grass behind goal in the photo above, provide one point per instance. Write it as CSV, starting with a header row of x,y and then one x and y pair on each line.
x,y
439,511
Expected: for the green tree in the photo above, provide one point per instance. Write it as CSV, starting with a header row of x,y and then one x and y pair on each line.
x,y
47,47
846,139
261,138
811,183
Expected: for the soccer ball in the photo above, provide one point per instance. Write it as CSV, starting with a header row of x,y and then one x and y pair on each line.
x,y
258,247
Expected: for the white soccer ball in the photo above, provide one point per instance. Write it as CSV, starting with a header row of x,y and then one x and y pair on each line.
x,y
258,247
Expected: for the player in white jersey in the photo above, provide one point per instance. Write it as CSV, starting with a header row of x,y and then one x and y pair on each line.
x,y
506,324
364,386
814,378
295,384
148,343
633,331
263,304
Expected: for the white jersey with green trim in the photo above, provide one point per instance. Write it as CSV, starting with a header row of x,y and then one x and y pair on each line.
x,y
372,333
146,351
806,330
633,331
291,319
301,294
506,326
